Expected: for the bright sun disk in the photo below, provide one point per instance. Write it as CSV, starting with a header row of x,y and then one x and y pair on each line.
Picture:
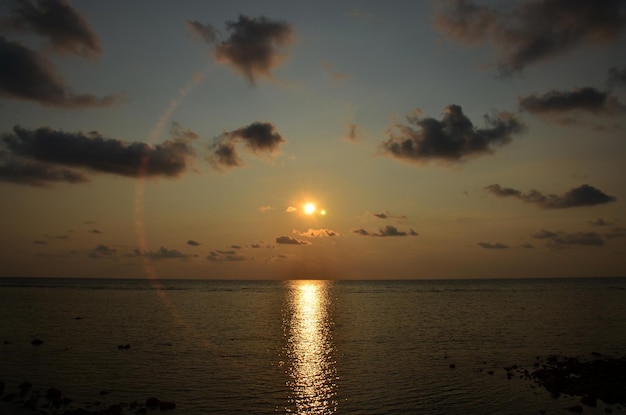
x,y
309,208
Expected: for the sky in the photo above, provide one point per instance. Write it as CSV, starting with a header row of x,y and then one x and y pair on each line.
x,y
313,139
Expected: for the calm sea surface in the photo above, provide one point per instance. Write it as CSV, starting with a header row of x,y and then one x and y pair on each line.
x,y
306,347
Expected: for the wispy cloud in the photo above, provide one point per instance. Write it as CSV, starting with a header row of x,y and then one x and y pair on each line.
x,y
191,242
584,195
567,107
388,230
288,240
532,31
253,47
558,239
488,245
317,233
453,139
225,256
162,253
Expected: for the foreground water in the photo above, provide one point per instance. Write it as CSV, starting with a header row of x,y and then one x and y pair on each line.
x,y
308,347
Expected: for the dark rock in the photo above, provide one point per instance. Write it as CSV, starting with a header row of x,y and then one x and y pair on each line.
x,y
105,392
142,411
113,410
78,318
123,346
490,372
53,394
589,401
576,409
37,342
608,411
152,402
1,387
452,366
166,406
9,397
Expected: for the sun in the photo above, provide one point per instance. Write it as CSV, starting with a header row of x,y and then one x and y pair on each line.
x,y
309,208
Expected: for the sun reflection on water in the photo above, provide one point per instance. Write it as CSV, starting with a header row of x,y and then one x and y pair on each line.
x,y
310,348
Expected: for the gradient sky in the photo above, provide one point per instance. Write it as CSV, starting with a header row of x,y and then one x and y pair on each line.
x,y
461,139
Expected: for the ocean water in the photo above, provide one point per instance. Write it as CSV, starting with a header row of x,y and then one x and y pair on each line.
x,y
306,347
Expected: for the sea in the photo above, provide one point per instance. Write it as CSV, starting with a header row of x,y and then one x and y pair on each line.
x,y
306,346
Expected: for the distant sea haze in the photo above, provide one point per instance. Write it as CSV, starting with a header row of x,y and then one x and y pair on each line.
x,y
305,347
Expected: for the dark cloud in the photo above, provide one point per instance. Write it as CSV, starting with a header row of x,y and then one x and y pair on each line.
x,y
566,107
101,251
526,245
96,231
385,215
40,242
599,222
488,245
584,195
616,233
317,233
34,173
235,246
352,136
452,139
162,253
533,31
260,138
224,256
68,30
288,240
97,153
386,231
27,75
191,242
617,76
563,239
253,45
205,32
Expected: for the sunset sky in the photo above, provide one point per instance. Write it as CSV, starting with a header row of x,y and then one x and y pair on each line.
x,y
461,139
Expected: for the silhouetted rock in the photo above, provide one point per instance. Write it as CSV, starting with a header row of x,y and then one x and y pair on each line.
x,y
53,394
452,366
589,401
152,402
577,409
1,387
165,406
37,342
123,346
9,397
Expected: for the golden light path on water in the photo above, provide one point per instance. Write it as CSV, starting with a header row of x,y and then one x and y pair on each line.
x,y
310,348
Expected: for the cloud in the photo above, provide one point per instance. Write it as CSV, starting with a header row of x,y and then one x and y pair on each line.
x,y
584,195
162,253
563,239
39,242
34,173
497,245
616,233
453,139
288,240
27,75
291,209
386,231
191,242
265,209
317,233
260,138
225,256
352,135
68,30
96,231
600,222
204,32
385,215
533,31
101,251
617,76
97,153
566,107
334,75
253,45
